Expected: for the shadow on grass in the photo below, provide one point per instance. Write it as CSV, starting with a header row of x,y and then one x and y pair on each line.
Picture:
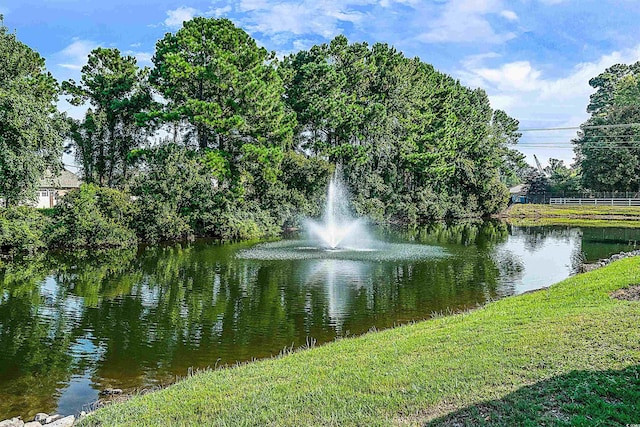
x,y
579,398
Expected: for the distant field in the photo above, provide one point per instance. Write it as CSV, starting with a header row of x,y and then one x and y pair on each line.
x,y
574,222
586,212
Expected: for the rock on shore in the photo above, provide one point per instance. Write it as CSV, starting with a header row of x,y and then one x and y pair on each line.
x,y
612,258
41,419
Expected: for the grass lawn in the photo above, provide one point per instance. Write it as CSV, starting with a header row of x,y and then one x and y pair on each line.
x,y
573,222
567,355
534,210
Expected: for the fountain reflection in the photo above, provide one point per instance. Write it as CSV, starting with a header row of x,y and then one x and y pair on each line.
x,y
339,279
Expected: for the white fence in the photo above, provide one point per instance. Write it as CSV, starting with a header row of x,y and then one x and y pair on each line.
x,y
594,202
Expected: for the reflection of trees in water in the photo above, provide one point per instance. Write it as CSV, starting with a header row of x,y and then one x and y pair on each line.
x,y
595,242
480,233
511,270
536,237
577,259
600,243
34,341
153,314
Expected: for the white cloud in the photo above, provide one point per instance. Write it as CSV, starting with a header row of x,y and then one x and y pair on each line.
x,y
302,44
220,11
74,56
509,15
249,5
320,17
475,61
176,17
143,58
519,76
466,21
390,3
525,93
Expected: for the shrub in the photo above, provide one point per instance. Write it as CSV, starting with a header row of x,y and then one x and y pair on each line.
x,y
22,230
248,222
93,217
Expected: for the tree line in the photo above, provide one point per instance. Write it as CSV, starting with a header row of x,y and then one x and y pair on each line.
x,y
222,138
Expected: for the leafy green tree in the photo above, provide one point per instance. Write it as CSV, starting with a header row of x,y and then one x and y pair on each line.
x,y
93,217
537,185
607,148
31,128
414,143
118,92
216,79
173,191
562,179
22,229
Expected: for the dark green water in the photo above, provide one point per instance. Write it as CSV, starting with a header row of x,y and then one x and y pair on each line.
x,y
73,325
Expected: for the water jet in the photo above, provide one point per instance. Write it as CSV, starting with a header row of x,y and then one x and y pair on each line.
x,y
338,229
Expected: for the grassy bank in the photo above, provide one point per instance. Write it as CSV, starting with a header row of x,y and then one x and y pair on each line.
x,y
573,222
576,212
568,354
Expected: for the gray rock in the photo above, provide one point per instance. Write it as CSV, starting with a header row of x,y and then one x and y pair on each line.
x,y
111,391
63,422
13,422
52,418
40,417
33,424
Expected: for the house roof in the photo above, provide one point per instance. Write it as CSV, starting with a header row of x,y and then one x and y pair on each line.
x,y
518,189
65,179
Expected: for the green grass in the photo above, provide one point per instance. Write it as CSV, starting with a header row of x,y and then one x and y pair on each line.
x,y
535,210
573,222
567,355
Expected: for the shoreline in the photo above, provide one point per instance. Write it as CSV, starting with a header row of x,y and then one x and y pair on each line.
x,y
540,211
559,302
117,398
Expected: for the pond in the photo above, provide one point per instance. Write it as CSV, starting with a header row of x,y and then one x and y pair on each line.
x,y
71,326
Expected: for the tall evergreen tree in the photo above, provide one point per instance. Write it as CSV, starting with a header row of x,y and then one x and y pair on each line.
x,y
31,128
215,78
413,142
116,88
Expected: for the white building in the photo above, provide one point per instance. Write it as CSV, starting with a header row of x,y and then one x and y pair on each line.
x,y
52,188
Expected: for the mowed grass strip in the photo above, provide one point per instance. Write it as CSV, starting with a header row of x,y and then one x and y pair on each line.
x,y
539,210
573,222
490,366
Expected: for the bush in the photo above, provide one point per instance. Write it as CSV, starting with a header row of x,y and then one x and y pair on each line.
x,y
93,217
22,230
248,222
159,221
174,191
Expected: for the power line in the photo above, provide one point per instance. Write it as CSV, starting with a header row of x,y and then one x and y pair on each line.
x,y
548,137
580,127
582,144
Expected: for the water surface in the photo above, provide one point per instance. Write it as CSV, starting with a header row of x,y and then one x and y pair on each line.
x,y
73,325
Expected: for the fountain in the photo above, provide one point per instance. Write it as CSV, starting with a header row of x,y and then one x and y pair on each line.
x,y
339,230
338,236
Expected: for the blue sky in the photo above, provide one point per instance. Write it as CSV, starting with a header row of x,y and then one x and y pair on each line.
x,y
533,57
